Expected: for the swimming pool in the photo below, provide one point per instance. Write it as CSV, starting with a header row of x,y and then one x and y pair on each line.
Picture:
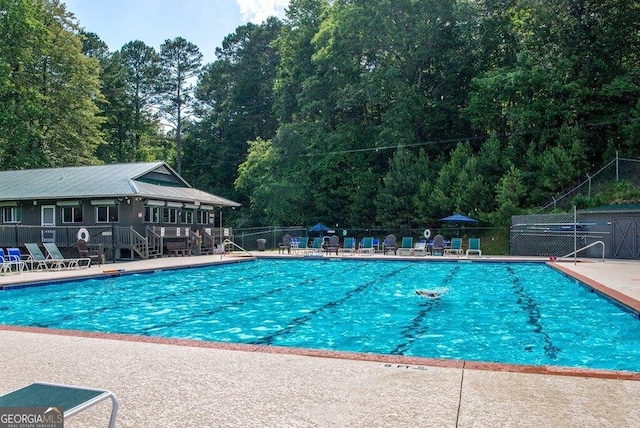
x,y
519,313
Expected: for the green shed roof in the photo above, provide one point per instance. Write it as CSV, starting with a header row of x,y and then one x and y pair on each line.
x,y
631,207
145,180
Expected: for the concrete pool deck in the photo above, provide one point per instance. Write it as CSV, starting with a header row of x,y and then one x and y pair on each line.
x,y
167,383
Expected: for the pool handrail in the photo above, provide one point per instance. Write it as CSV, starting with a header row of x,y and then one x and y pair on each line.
x,y
584,248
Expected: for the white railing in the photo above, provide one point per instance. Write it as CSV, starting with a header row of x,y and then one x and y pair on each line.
x,y
584,248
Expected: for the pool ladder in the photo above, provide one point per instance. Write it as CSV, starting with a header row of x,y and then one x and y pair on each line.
x,y
233,244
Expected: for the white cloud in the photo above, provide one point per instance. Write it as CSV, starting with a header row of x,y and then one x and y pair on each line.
x,y
257,11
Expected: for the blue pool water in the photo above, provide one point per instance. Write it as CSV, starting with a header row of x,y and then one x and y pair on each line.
x,y
521,313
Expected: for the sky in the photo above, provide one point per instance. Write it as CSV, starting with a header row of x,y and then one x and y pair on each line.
x,y
204,23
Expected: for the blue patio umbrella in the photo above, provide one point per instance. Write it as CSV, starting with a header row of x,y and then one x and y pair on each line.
x,y
320,227
459,218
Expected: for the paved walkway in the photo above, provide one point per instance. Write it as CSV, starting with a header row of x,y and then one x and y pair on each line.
x,y
164,383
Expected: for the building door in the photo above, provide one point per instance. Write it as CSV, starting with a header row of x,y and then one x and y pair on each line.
x,y
626,239
48,219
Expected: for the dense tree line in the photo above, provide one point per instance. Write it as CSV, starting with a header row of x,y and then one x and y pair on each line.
x,y
387,113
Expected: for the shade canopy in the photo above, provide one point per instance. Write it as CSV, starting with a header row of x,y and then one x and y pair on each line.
x,y
320,227
459,218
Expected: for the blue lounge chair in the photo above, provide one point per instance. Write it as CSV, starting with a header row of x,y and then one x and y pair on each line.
x,y
316,246
455,248
474,246
300,246
366,246
66,398
13,259
348,246
406,246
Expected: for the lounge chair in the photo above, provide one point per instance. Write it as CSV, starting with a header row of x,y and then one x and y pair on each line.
x,y
11,262
420,249
405,247
455,248
37,258
438,245
317,246
5,266
285,244
474,246
66,398
334,244
54,254
348,246
366,246
389,244
301,245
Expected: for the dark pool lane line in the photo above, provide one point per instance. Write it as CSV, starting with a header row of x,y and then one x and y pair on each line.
x,y
240,302
530,307
417,326
299,321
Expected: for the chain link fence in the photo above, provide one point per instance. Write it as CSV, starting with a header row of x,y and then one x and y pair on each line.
x,y
619,169
550,234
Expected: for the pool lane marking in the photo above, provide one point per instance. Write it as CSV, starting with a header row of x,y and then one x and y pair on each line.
x,y
125,288
297,322
415,329
236,303
243,301
531,307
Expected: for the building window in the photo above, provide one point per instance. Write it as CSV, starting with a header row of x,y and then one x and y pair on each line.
x,y
108,214
152,215
186,217
202,217
170,215
11,215
72,214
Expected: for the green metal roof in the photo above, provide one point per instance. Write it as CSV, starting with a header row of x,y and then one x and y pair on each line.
x,y
613,208
103,181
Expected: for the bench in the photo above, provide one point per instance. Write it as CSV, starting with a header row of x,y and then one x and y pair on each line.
x,y
178,248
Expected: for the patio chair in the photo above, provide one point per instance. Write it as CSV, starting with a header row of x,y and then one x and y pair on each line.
x,y
455,248
474,246
66,398
348,246
37,258
285,244
366,246
389,244
438,245
90,251
54,254
406,246
334,244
